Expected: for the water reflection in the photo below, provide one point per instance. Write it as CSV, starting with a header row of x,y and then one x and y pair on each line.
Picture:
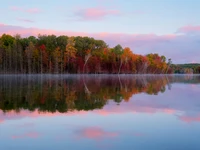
x,y
66,93
55,93
99,112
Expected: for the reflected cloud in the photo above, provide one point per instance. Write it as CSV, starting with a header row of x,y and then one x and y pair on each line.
x,y
190,119
12,115
26,135
138,134
95,133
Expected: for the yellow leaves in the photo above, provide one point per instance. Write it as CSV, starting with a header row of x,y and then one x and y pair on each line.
x,y
29,50
35,53
70,50
57,54
57,93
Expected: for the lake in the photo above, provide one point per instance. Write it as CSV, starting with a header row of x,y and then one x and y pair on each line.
x,y
100,112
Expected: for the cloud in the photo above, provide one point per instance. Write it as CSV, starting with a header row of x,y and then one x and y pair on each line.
x,y
95,133
138,134
26,135
24,32
190,118
15,8
1,24
95,13
12,115
29,10
25,20
189,29
33,10
180,48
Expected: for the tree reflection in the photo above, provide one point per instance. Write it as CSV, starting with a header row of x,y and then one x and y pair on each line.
x,y
87,92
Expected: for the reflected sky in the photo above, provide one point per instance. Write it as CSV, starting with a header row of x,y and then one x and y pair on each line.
x,y
100,112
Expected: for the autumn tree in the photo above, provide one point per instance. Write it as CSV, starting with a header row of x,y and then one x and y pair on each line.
x,y
51,54
57,59
70,53
62,42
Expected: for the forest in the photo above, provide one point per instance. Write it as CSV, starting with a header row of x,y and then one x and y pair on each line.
x,y
50,54
192,68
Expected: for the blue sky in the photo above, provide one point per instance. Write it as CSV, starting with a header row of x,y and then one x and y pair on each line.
x,y
167,27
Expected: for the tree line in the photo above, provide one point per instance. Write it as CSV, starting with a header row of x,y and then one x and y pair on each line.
x,y
192,68
77,55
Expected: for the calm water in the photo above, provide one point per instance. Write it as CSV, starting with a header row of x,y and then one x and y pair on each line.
x,y
99,112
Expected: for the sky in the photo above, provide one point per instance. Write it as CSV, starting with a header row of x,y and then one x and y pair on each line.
x,y
166,27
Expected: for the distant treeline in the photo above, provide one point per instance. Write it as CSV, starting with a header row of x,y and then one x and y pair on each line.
x,y
192,68
63,54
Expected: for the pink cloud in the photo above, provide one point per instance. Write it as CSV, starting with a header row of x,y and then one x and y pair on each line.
x,y
189,29
29,10
33,10
1,24
24,32
138,134
189,119
12,115
15,8
95,13
26,135
169,111
95,133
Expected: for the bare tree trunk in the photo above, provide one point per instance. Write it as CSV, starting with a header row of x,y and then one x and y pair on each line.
x,y
29,65
41,67
169,64
56,65
10,60
86,88
86,60
61,65
120,67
